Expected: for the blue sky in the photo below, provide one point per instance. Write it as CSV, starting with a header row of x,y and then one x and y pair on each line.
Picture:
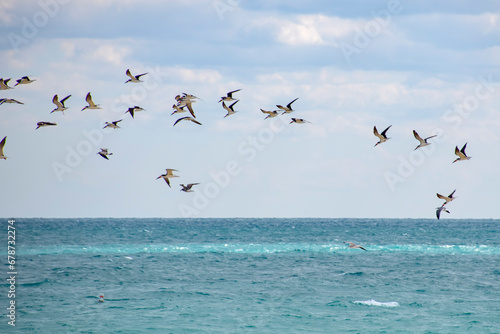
x,y
415,65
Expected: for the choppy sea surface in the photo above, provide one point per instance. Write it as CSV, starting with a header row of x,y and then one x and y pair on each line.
x,y
255,276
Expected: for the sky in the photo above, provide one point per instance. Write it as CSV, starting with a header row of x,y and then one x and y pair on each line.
x,y
412,65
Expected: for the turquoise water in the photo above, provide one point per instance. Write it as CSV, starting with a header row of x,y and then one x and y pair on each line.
x,y
256,276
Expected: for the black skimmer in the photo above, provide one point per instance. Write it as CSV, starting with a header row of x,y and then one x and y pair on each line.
x,y
113,125
4,84
2,144
190,96
382,136
448,198
59,104
134,78
168,175
298,121
273,113
177,109
229,109
187,188
187,118
91,103
132,110
461,154
439,209
353,245
2,101
288,108
104,153
42,124
423,142
229,96
24,81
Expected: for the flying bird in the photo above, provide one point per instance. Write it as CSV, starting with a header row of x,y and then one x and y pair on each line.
x,y
448,198
299,121
187,118
2,144
23,81
134,78
273,113
423,142
382,136
4,84
59,104
439,209
461,154
2,101
132,110
104,153
91,103
229,96
169,174
187,188
230,110
353,245
113,125
190,96
43,124
288,108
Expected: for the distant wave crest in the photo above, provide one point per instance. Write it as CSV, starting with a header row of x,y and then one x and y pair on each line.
x,y
373,302
250,248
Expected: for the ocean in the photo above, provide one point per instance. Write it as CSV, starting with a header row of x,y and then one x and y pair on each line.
x,y
254,276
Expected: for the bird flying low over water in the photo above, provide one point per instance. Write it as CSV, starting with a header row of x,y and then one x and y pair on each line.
x,y
229,96
288,108
2,144
133,109
113,125
298,121
91,103
104,153
59,104
230,110
42,124
382,136
423,142
187,188
448,198
187,119
4,84
353,245
461,154
2,101
24,81
439,209
169,174
273,113
134,78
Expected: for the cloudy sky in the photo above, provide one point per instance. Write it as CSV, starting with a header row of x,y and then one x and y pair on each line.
x,y
415,65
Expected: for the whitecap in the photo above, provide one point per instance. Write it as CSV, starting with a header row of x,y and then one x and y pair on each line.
x,y
129,257
373,302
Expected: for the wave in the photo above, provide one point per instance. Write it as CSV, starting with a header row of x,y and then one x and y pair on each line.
x,y
128,249
373,302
